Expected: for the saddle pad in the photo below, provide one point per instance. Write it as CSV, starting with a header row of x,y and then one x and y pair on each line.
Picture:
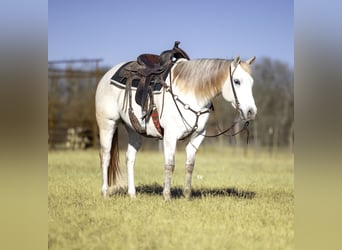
x,y
120,82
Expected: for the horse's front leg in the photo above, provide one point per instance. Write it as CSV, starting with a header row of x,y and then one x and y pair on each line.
x,y
191,150
169,154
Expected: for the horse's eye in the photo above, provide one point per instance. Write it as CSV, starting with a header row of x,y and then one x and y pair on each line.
x,y
237,81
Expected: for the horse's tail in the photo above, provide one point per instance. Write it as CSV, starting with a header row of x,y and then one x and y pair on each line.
x,y
114,169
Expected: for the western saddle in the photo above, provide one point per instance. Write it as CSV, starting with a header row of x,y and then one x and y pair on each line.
x,y
148,70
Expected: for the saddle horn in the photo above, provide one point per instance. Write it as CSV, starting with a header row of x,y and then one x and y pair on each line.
x,y
175,52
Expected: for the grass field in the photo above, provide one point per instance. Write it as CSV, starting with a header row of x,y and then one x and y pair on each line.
x,y
239,202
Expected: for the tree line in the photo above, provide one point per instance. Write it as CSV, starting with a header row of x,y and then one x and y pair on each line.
x,y
71,105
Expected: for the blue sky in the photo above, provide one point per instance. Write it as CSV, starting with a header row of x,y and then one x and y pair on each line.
x,y
118,31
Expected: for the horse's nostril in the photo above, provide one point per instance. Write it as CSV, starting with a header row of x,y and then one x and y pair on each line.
x,y
250,113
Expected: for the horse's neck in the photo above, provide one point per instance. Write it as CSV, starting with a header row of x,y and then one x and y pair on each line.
x,y
189,98
212,84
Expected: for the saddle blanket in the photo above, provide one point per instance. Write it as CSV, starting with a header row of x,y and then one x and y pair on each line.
x,y
119,80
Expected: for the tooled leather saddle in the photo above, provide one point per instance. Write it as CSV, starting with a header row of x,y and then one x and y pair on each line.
x,y
147,75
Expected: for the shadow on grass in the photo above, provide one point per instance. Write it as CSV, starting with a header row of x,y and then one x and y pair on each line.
x,y
177,192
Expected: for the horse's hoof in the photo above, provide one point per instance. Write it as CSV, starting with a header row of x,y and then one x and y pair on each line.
x,y
167,199
132,195
105,194
187,193
167,196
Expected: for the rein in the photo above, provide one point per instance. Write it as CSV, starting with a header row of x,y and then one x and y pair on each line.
x,y
136,124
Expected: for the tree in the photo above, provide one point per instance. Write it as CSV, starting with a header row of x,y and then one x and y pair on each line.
x,y
274,96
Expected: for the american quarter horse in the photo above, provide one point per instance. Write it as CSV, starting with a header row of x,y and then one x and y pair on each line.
x,y
184,108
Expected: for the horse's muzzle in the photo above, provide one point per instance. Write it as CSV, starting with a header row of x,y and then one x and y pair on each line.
x,y
251,113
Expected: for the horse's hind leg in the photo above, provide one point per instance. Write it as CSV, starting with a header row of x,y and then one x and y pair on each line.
x,y
134,143
191,150
107,129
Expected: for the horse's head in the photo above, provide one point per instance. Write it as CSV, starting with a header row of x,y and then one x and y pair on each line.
x,y
237,89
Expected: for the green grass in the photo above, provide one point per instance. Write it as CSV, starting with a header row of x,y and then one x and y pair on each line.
x,y
239,202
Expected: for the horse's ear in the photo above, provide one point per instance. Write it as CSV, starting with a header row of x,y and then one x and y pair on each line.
x,y
250,61
236,61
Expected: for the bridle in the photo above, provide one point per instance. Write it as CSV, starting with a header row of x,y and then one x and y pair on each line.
x,y
209,109
237,103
